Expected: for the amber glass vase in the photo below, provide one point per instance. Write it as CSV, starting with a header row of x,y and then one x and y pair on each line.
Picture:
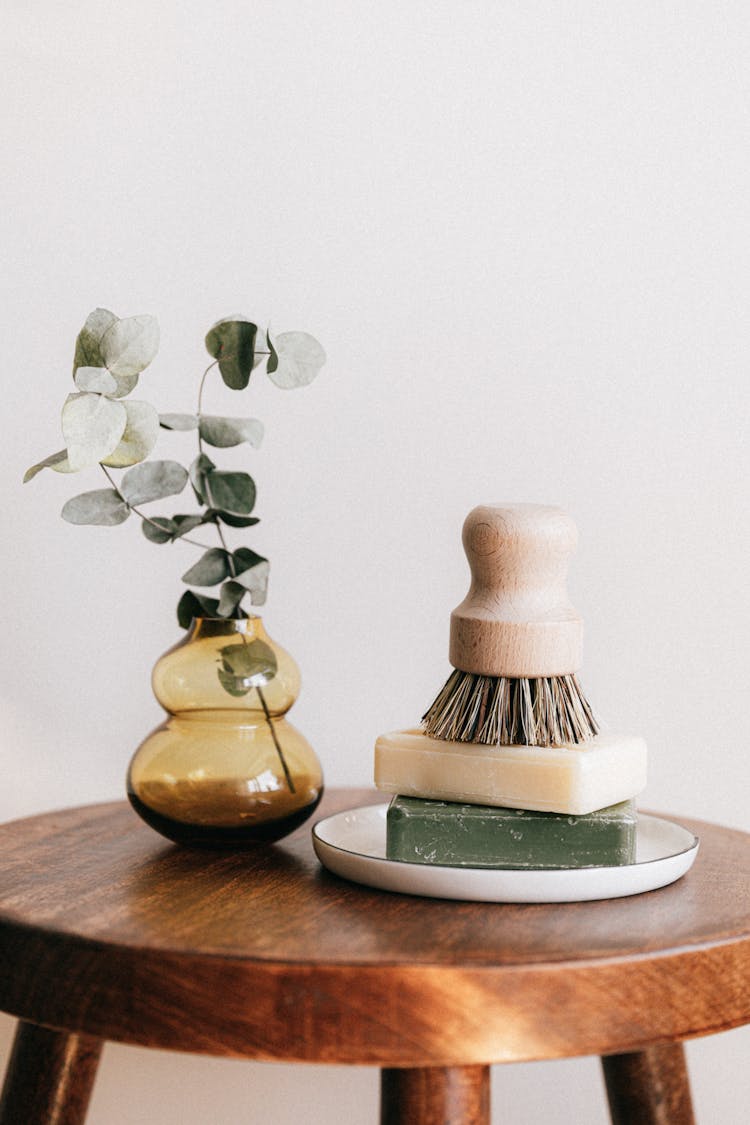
x,y
226,768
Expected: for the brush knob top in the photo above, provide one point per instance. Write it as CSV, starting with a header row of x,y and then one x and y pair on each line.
x,y
517,619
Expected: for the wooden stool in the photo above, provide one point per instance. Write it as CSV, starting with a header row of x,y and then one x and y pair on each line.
x,y
109,932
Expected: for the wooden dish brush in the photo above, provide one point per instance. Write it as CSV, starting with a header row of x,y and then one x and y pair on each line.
x,y
515,640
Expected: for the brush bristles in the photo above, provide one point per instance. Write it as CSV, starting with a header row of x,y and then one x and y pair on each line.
x,y
503,711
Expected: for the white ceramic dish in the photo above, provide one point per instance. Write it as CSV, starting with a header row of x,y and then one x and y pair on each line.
x,y
352,844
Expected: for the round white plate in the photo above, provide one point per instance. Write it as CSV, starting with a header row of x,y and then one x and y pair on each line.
x,y
352,844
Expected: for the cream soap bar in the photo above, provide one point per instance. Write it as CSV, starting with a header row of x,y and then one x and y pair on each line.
x,y
575,779
454,835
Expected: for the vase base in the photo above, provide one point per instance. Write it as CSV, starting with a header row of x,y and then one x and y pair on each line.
x,y
224,836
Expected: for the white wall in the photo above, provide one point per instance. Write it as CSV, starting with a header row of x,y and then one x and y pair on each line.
x,y
521,231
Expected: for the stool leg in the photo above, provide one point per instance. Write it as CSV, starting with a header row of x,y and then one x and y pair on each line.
x,y
649,1087
49,1078
435,1095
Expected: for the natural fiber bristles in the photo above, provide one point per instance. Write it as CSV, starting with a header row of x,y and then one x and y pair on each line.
x,y
502,711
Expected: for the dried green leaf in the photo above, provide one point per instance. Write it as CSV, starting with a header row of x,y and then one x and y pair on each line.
x,y
158,529
193,605
183,525
96,379
226,432
88,345
139,436
254,659
179,421
129,345
230,492
188,608
57,461
295,359
199,469
230,520
211,569
246,666
232,342
232,686
125,384
103,506
170,529
255,581
92,427
231,595
153,480
245,558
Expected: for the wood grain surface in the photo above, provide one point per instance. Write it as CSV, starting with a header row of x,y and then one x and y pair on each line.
x,y
50,1077
649,1087
108,930
436,1095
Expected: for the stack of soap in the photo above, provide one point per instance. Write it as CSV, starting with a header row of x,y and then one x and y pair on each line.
x,y
455,835
467,804
466,793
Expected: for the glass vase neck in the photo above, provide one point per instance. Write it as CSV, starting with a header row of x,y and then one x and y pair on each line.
x,y
250,627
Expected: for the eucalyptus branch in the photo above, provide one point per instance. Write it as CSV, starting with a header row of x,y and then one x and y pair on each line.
x,y
148,519
220,533
101,425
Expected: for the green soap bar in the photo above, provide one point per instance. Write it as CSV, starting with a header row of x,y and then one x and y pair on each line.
x,y
454,835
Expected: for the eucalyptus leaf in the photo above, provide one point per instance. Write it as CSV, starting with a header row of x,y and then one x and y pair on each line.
x,y
261,343
125,384
193,605
158,529
244,559
231,595
201,466
129,345
231,684
232,520
88,345
179,421
103,506
247,666
230,492
251,659
295,359
153,480
170,529
57,461
232,342
95,379
92,427
255,581
225,432
211,569
183,525
139,436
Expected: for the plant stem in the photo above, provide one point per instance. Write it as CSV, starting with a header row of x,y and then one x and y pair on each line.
x,y
226,548
233,573
145,518
200,401
276,743
219,531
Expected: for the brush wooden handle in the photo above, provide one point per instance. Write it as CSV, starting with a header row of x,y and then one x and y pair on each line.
x,y
516,619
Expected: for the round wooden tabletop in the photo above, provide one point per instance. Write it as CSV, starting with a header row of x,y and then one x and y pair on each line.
x,y
109,930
